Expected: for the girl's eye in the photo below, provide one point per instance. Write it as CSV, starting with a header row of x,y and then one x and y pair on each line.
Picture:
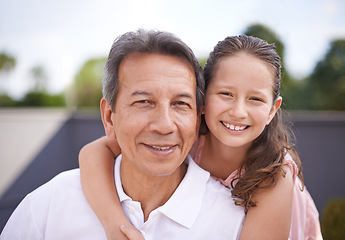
x,y
143,101
256,99
226,94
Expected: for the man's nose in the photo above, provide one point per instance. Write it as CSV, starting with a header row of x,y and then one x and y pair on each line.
x,y
163,120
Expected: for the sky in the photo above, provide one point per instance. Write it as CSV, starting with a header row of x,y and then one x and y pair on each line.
x,y
61,35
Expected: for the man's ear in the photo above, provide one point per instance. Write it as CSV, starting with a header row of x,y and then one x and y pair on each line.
x,y
106,114
202,111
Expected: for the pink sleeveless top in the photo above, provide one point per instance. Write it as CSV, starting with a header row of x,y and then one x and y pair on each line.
x,y
305,222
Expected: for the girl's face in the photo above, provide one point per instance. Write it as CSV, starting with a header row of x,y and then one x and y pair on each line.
x,y
239,99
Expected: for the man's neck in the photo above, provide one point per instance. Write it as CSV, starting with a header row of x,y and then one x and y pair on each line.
x,y
151,191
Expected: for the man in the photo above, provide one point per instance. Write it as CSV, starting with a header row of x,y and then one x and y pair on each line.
x,y
152,90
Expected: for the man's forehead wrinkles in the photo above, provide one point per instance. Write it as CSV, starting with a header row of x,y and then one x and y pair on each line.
x,y
185,95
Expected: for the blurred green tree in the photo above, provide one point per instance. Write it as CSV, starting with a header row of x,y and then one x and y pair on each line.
x,y
40,78
202,61
333,219
325,88
88,83
42,99
7,101
38,95
7,62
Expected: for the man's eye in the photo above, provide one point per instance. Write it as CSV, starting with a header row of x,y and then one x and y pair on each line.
x,y
181,104
142,102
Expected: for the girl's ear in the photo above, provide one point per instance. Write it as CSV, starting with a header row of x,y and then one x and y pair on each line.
x,y
202,110
274,109
106,114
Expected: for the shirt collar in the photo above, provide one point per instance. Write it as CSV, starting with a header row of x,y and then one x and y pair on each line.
x,y
184,205
122,195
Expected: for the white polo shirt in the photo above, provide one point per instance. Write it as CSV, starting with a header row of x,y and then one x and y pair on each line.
x,y
200,208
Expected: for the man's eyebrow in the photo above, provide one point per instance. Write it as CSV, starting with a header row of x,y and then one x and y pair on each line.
x,y
185,95
180,95
141,93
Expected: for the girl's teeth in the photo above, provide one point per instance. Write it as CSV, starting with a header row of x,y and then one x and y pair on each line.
x,y
232,127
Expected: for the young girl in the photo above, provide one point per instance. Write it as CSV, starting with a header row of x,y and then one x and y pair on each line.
x,y
242,143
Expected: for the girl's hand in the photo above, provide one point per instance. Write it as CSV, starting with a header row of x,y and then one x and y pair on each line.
x,y
131,232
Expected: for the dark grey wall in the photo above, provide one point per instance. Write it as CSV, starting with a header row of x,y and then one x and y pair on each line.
x,y
320,143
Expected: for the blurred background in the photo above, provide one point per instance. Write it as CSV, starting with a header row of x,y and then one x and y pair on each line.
x,y
52,55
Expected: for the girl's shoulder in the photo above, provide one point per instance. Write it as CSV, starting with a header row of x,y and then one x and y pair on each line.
x,y
291,164
272,203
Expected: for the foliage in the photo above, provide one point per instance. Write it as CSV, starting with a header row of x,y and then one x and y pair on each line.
x,y
325,88
202,61
42,99
40,78
333,220
88,83
34,99
7,101
7,62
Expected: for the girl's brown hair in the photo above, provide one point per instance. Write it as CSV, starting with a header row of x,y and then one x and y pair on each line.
x,y
265,158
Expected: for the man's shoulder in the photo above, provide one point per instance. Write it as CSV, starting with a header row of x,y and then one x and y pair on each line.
x,y
67,176
70,178
53,209
62,183
61,194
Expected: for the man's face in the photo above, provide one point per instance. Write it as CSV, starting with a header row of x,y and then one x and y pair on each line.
x,y
155,113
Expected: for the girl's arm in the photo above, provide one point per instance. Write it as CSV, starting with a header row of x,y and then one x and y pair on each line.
x,y
271,218
96,161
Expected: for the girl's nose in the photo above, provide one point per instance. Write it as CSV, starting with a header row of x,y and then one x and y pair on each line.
x,y
238,109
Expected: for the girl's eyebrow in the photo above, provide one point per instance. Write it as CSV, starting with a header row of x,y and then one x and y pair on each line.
x,y
258,91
